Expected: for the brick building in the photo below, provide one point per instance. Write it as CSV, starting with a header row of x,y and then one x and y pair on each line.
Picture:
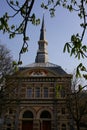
x,y
39,93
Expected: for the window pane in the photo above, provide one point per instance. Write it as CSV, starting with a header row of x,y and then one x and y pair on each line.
x,y
63,110
28,114
45,92
29,92
63,127
63,93
37,92
45,114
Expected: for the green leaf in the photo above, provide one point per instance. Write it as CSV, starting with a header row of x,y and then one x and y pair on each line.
x,y
84,48
67,47
11,2
85,76
52,12
3,22
12,27
78,55
1,27
80,87
23,11
72,51
80,65
70,8
25,49
37,21
26,39
12,35
17,3
33,19
14,63
58,87
19,62
16,68
42,5
80,68
83,68
78,74
58,2
73,37
80,15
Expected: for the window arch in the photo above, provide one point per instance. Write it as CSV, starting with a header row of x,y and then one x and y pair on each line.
x,y
9,126
63,127
45,114
28,114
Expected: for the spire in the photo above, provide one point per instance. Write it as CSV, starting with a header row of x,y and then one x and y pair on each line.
x,y
42,53
43,30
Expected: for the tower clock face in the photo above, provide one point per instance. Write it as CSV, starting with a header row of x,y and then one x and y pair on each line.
x,y
38,73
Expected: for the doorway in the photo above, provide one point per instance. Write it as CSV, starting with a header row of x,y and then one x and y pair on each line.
x,y
45,120
27,125
27,122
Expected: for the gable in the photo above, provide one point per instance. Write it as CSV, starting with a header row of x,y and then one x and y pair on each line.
x,y
36,72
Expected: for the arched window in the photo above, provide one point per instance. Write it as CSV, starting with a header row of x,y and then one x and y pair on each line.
x,y
29,92
63,110
45,114
62,93
27,122
8,126
45,92
63,127
37,92
28,114
8,129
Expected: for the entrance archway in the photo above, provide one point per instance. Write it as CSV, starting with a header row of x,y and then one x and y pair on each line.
x,y
27,122
45,120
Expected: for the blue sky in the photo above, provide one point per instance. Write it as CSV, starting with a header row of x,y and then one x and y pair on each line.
x,y
58,31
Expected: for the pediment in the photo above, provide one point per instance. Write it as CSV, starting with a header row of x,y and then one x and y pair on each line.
x,y
36,72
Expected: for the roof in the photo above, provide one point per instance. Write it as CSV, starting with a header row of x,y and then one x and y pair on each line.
x,y
50,66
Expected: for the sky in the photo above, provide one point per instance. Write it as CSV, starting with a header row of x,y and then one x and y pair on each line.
x,y
58,31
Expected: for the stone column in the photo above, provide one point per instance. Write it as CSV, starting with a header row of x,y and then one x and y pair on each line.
x,y
36,125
